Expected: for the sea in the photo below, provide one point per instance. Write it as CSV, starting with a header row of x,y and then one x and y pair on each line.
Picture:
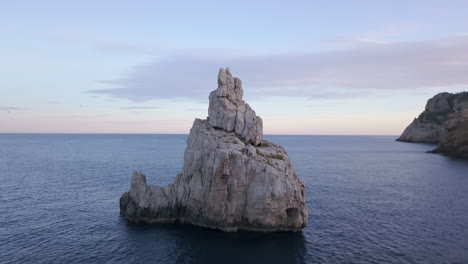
x,y
371,200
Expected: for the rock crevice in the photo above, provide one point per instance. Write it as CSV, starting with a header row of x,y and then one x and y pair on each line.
x,y
231,180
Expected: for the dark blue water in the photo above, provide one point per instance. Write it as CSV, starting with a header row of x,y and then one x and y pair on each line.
x,y
370,199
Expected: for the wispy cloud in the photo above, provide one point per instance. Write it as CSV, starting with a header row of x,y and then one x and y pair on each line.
x,y
383,35
355,72
10,108
196,109
353,41
80,116
139,107
319,105
105,44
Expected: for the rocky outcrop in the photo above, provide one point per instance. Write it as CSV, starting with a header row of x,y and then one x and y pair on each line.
x,y
456,141
432,124
444,121
231,180
229,112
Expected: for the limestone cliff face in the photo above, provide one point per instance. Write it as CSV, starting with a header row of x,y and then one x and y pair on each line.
x,y
231,180
229,112
431,126
456,141
444,121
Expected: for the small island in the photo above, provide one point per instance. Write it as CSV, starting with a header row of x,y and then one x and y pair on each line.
x,y
444,122
232,179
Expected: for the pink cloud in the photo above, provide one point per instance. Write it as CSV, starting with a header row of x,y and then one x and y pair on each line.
x,y
357,71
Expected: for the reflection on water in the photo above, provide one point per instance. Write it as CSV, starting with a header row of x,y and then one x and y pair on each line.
x,y
190,244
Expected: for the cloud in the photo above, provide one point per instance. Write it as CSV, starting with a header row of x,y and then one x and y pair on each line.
x,y
195,109
139,107
355,72
80,116
352,41
104,44
10,108
319,105
382,36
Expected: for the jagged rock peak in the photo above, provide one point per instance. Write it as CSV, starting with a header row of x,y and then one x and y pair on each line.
x,y
229,87
229,112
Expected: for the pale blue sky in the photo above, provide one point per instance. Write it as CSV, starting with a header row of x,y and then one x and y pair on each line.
x,y
308,67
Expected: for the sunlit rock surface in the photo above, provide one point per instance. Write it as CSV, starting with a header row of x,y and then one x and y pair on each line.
x,y
431,125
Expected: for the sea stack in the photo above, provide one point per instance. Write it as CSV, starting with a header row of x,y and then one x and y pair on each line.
x,y
232,179
444,122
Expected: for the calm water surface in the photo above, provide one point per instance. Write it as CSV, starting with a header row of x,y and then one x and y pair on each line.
x,y
370,199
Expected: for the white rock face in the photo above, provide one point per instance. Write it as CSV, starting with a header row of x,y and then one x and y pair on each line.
x,y
431,126
228,111
231,179
420,131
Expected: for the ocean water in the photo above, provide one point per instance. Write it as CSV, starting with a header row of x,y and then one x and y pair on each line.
x,y
370,199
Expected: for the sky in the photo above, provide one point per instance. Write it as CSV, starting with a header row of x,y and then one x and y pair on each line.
x,y
308,67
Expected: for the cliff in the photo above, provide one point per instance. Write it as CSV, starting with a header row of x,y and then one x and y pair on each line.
x,y
456,141
431,125
444,121
231,180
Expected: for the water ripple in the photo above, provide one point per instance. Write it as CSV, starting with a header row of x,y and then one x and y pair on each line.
x,y
371,200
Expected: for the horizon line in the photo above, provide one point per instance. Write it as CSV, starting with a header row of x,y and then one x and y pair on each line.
x,y
98,133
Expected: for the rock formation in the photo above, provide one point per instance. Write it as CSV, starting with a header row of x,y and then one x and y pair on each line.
x,y
231,180
431,125
444,121
455,142
228,111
